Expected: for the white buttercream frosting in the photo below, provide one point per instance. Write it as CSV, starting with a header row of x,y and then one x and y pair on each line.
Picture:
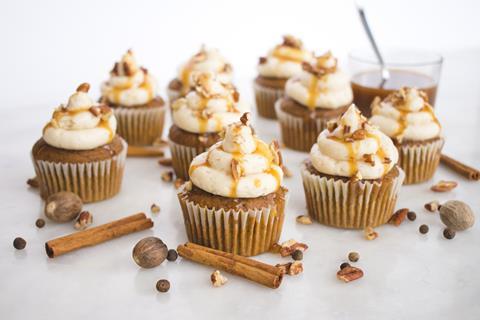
x,y
406,114
239,166
129,85
82,124
351,147
206,60
209,107
320,85
285,60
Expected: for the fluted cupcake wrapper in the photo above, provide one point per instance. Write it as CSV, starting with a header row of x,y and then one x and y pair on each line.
x,y
297,133
246,233
182,156
265,99
420,161
350,204
91,181
140,126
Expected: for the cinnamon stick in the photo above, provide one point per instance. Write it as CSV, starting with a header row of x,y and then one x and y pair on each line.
x,y
145,151
251,269
96,235
466,171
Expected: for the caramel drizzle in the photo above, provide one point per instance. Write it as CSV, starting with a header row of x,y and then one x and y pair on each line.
x,y
285,57
380,152
312,92
402,119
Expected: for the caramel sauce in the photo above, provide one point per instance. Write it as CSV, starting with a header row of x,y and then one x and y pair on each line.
x,y
380,152
147,86
105,125
295,55
352,153
402,120
312,93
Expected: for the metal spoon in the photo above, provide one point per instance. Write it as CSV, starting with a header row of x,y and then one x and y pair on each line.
x,y
385,73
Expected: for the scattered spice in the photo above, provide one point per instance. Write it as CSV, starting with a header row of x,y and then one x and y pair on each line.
x,y
432,206
154,208
166,162
304,219
218,279
411,215
172,255
40,223
63,206
349,273
163,285
449,233
353,256
398,217
19,243
84,220
370,233
344,265
33,182
297,255
291,268
457,215
288,247
444,186
149,252
423,229
461,168
178,183
167,176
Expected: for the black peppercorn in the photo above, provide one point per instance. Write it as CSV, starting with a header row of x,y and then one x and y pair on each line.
x,y
172,255
163,285
448,233
344,265
40,223
297,255
411,215
19,243
423,229
353,256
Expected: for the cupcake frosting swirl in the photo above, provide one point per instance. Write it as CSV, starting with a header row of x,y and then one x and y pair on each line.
x,y
209,106
129,85
285,60
406,114
320,84
82,124
206,60
351,147
239,166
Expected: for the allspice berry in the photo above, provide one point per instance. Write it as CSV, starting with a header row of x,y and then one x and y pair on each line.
x,y
149,252
172,255
63,206
40,223
163,285
423,229
411,215
19,243
297,255
353,256
344,265
449,233
457,215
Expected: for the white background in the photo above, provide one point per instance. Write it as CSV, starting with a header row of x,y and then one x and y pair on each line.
x,y
49,47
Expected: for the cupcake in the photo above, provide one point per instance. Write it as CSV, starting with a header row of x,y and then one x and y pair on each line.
x,y
408,118
282,62
206,60
199,118
79,151
130,92
351,179
235,200
321,92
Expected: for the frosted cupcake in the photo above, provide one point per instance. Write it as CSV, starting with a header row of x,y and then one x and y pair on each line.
x,y
282,62
408,118
79,151
235,201
351,178
131,93
199,118
206,60
320,93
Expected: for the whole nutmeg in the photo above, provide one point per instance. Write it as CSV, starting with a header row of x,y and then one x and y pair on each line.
x,y
163,285
149,252
63,206
457,215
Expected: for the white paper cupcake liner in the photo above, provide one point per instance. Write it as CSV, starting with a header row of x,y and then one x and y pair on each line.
x,y
246,233
91,181
348,204
182,156
265,99
297,133
420,161
140,126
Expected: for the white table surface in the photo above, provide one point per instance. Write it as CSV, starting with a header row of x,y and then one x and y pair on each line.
x,y
407,275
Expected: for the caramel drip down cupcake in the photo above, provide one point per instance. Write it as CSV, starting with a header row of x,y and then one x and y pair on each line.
x,y
236,201
79,150
407,117
351,179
